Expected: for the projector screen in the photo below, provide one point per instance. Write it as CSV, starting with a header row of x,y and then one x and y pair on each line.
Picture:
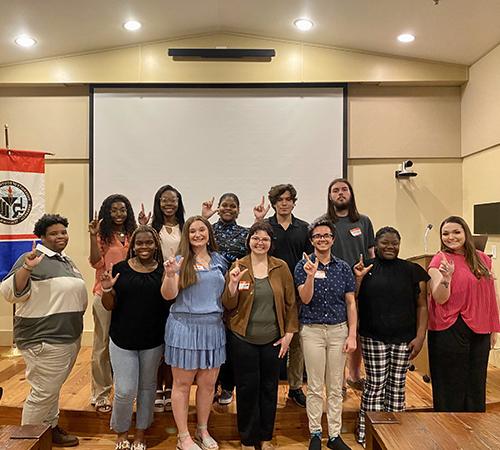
x,y
207,141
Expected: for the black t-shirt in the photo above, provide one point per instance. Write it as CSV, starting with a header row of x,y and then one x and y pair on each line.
x,y
290,244
138,320
387,300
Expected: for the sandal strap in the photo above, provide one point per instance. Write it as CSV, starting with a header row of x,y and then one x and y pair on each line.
x,y
208,442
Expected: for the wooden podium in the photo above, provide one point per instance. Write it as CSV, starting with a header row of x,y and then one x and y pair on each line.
x,y
421,362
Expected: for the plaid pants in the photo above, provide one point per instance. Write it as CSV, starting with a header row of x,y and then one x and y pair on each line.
x,y
385,366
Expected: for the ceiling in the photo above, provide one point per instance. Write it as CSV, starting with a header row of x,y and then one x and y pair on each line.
x,y
457,31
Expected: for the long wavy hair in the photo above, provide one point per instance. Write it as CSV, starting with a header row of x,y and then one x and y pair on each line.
x,y
157,221
188,275
476,265
352,210
158,256
106,228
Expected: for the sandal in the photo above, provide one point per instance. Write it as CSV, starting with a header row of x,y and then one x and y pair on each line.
x,y
207,442
181,437
122,445
159,406
167,399
138,446
103,405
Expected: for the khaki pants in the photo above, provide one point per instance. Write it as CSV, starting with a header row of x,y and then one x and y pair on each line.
x,y
102,378
324,358
295,372
47,368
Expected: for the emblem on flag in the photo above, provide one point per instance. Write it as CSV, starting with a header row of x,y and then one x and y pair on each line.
x,y
15,202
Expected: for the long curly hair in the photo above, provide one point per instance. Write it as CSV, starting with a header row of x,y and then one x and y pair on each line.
x,y
106,228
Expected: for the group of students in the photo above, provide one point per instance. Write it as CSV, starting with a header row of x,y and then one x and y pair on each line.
x,y
182,301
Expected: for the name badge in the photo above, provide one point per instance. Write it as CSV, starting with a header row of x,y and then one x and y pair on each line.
x,y
356,232
244,286
320,274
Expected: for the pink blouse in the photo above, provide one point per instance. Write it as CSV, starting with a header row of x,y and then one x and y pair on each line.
x,y
110,254
474,299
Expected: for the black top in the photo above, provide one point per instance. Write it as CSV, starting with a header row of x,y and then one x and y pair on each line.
x,y
290,244
387,300
138,320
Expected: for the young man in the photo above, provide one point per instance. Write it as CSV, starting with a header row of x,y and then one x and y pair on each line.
x,y
291,240
355,237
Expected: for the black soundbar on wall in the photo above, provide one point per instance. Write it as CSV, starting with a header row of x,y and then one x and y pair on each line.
x,y
222,54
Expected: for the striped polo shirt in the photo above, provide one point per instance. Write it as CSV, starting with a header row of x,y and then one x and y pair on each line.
x,y
51,306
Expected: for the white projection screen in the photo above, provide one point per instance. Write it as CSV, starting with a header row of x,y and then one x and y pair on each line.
x,y
208,141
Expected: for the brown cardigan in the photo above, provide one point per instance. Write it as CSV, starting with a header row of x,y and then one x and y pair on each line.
x,y
239,307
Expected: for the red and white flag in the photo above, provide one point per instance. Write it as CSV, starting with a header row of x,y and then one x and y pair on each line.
x,y
22,202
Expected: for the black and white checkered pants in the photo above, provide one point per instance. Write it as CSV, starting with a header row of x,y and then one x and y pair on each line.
x,y
386,366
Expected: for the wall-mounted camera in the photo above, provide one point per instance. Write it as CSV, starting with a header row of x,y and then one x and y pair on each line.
x,y
404,171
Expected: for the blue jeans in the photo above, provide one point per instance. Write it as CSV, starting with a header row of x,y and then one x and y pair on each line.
x,y
134,374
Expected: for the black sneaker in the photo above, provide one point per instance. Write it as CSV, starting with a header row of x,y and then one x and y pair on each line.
x,y
61,438
315,443
225,397
337,444
298,397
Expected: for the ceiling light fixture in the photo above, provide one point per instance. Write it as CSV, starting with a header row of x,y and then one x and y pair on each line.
x,y
132,25
406,38
303,24
25,41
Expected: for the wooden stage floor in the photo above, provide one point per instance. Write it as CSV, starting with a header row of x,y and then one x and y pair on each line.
x,y
78,416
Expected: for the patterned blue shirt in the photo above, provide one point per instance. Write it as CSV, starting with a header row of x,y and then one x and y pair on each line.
x,y
327,305
231,239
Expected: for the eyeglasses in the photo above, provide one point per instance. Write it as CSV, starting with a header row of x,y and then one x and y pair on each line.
x,y
317,237
264,240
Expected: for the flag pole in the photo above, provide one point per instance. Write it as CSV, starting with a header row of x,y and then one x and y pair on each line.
x,y
13,352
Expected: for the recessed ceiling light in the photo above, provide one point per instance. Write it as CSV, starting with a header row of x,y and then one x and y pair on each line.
x,y
132,25
406,38
303,24
25,41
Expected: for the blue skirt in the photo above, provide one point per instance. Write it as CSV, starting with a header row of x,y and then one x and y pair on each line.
x,y
195,341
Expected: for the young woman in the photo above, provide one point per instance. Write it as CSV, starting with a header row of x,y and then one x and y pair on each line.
x,y
194,335
392,323
262,317
231,239
463,320
168,220
328,321
132,291
110,233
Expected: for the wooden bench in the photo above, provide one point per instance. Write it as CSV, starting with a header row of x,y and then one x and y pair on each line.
x,y
26,437
429,430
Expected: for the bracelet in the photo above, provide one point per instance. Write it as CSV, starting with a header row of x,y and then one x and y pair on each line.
x,y
107,290
26,267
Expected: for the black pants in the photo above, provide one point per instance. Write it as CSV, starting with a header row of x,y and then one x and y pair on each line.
x,y
458,360
256,373
226,377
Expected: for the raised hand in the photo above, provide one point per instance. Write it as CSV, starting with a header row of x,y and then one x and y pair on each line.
x,y
236,273
143,218
207,209
107,279
94,225
31,259
359,268
260,211
310,268
446,268
172,266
